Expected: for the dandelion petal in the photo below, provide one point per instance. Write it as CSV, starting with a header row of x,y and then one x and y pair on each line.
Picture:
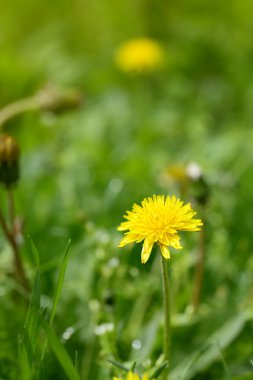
x,y
165,251
146,250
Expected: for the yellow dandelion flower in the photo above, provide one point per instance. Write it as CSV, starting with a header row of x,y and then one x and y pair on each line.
x,y
158,220
139,55
132,376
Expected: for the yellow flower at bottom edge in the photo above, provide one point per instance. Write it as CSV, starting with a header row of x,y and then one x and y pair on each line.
x,y
139,55
132,376
158,220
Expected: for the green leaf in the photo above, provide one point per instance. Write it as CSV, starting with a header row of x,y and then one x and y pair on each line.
x,y
117,364
133,366
224,363
193,359
59,283
35,252
33,314
159,370
57,293
24,365
148,336
60,353
202,358
30,334
76,360
245,376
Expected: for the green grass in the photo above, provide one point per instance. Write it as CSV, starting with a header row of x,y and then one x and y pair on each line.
x,y
81,169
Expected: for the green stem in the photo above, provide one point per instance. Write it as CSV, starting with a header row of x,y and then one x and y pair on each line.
x,y
10,236
18,107
199,271
11,209
166,302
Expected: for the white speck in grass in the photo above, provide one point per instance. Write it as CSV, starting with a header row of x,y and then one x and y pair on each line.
x,y
103,237
114,262
103,328
115,185
136,344
67,333
194,171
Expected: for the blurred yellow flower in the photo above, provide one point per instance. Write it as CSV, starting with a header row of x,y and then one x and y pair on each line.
x,y
139,55
177,172
132,376
158,220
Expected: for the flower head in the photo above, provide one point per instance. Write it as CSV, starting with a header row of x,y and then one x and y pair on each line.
x,y
158,220
132,376
139,55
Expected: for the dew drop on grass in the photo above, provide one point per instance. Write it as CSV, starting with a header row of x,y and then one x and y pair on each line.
x,y
67,333
103,328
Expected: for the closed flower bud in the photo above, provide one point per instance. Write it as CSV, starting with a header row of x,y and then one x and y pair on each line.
x,y
9,160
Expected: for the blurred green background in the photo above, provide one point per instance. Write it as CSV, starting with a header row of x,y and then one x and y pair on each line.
x,y
81,169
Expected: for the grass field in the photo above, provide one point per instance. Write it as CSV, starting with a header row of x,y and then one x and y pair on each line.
x,y
98,133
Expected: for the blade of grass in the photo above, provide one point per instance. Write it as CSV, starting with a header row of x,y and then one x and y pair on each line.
x,y
57,293
30,334
133,366
193,359
202,358
117,364
59,284
159,370
24,366
245,376
60,353
224,363
35,252
76,360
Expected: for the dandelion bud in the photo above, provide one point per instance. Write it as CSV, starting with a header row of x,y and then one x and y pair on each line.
x,y
9,160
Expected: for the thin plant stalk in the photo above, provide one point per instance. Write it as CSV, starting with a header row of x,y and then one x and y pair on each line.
x,y
199,272
18,107
17,259
11,209
167,309
10,236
